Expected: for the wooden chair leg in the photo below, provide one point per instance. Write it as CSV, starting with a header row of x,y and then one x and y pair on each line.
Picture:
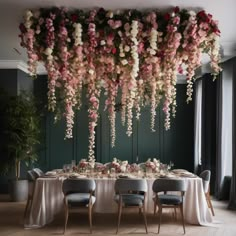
x,y
119,216
90,218
139,210
210,205
175,213
208,199
160,213
66,217
182,216
145,219
26,208
155,207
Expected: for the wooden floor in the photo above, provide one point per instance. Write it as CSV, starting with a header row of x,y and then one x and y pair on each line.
x,y
11,223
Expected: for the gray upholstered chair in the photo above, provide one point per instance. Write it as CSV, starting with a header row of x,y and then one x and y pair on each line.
x,y
38,172
206,176
31,176
130,193
162,199
142,165
79,193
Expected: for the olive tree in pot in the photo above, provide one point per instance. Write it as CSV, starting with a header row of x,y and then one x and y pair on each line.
x,y
21,137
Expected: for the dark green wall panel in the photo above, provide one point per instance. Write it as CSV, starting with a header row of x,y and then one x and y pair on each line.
x,y
175,145
148,141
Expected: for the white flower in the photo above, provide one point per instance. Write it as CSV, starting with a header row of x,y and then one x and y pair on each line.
x,y
122,54
48,51
124,62
192,13
127,48
91,72
28,14
152,51
109,14
103,42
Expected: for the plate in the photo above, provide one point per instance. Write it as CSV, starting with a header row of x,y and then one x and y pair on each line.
x,y
178,171
188,175
50,173
123,176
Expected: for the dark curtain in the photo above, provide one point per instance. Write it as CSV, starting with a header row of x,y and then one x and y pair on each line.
x,y
209,125
232,199
218,137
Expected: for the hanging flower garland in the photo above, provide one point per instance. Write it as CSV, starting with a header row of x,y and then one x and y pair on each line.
x,y
138,53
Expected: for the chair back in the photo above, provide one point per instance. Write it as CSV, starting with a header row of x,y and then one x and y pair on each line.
x,y
164,185
78,186
31,176
108,165
126,185
142,165
38,172
206,176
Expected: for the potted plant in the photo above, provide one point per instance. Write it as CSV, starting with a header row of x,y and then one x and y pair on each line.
x,y
21,128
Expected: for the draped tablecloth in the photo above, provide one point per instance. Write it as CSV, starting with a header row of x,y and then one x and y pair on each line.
x,y
48,201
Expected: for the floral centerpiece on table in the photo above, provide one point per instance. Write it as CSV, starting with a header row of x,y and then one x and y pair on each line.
x,y
119,166
133,168
153,166
83,165
99,167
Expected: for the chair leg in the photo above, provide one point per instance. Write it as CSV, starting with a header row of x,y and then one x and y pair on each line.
x,y
139,210
155,207
211,207
208,198
66,217
160,214
175,213
182,216
26,208
119,216
145,219
90,218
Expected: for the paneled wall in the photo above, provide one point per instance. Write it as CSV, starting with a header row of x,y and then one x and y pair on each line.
x,y
174,145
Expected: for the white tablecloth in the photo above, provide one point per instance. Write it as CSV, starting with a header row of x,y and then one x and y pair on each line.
x,y
48,201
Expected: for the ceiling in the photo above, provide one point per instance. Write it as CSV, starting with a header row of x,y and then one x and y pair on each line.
x,y
11,12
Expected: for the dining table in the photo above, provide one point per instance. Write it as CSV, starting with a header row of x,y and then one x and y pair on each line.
x,y
48,198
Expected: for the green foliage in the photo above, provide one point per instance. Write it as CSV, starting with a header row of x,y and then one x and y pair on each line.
x,y
21,129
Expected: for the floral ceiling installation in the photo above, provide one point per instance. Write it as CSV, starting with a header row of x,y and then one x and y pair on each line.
x,y
137,53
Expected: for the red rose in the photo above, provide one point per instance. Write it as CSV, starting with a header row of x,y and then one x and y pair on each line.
x,y
113,50
201,14
74,17
22,28
101,33
176,10
167,16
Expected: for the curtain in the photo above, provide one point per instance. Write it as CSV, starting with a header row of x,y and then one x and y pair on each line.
x,y
198,125
224,123
218,138
232,198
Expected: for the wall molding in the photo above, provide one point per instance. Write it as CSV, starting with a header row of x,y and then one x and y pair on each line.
x,y
21,65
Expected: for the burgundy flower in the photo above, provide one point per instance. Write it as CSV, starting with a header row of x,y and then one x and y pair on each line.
x,y
176,9
113,50
101,33
22,28
74,17
167,16
216,31
202,15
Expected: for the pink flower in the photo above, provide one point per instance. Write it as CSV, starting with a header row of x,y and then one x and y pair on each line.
x,y
110,39
114,24
93,99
